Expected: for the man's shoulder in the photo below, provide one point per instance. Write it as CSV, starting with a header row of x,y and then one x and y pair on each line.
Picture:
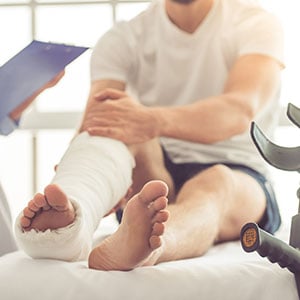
x,y
146,18
242,14
137,28
244,9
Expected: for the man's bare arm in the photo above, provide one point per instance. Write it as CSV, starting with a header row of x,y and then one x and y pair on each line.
x,y
253,81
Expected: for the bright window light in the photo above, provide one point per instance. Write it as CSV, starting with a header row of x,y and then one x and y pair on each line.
x,y
126,11
14,35
10,1
71,93
66,1
47,160
75,24
16,168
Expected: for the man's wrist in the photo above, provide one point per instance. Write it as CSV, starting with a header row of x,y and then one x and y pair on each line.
x,y
161,123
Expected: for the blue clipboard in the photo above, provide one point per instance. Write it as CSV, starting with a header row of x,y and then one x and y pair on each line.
x,y
30,69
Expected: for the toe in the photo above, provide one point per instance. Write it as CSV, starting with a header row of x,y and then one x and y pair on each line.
x,y
56,198
152,190
27,212
161,217
158,229
40,201
33,206
25,222
155,242
158,205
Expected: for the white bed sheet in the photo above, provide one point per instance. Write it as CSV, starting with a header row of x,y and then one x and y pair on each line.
x,y
225,272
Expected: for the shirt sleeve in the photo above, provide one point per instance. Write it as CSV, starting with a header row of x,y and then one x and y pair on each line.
x,y
260,33
112,55
7,125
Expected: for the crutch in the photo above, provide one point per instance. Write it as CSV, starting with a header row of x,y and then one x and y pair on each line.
x,y
254,238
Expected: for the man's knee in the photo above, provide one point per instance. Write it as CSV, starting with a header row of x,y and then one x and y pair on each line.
x,y
218,177
222,185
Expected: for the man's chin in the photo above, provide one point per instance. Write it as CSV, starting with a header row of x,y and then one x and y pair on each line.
x,y
183,1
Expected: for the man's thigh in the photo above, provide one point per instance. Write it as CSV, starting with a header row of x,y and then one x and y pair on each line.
x,y
253,200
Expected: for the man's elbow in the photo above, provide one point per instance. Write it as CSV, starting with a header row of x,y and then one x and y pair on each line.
x,y
243,124
245,114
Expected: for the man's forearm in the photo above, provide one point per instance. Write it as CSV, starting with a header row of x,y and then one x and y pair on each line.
x,y
207,121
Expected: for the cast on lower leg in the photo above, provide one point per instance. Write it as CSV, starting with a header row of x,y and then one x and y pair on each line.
x,y
95,173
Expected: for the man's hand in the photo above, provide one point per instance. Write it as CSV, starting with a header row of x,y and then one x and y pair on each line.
x,y
116,115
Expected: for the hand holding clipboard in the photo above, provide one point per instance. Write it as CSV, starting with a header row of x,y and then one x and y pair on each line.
x,y
30,71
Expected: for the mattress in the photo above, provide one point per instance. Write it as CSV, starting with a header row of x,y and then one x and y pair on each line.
x,y
224,272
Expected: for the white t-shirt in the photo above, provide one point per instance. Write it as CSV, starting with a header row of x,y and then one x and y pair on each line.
x,y
165,66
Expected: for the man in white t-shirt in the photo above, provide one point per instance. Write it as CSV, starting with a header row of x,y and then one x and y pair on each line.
x,y
179,85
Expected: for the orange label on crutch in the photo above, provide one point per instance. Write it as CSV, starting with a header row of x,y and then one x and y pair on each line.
x,y
249,237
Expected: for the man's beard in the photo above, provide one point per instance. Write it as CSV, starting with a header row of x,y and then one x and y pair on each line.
x,y
183,1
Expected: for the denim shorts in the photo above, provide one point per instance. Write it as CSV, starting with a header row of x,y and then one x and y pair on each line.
x,y
182,172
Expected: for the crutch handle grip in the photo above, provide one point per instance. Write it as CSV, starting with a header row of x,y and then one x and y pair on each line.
x,y
255,239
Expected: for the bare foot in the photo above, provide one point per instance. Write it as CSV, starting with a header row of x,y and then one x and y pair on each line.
x,y
137,241
52,210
